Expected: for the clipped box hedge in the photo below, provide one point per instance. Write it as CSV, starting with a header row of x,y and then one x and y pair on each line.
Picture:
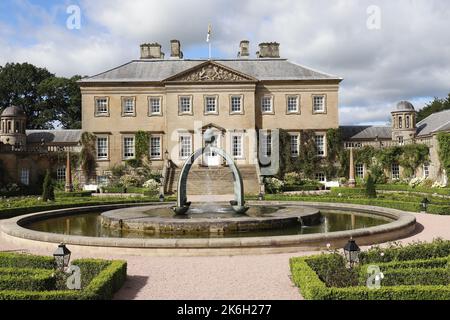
x,y
425,276
27,279
100,279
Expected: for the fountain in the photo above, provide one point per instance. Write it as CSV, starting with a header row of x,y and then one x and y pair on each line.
x,y
183,205
260,226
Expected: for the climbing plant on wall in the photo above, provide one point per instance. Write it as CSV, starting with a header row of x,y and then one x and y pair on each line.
x,y
142,145
88,154
444,151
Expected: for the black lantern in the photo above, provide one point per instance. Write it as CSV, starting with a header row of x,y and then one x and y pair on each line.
x,y
161,198
424,204
62,257
260,196
351,251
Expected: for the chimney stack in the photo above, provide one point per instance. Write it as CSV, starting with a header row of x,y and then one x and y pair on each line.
x,y
269,50
175,49
244,51
151,51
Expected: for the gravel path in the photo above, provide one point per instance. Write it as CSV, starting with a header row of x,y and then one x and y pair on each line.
x,y
227,277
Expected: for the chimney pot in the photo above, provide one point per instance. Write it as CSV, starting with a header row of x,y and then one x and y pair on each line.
x,y
175,49
244,51
269,50
151,51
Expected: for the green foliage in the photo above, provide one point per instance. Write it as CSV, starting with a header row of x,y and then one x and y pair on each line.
x,y
26,279
64,97
48,193
23,261
444,150
17,207
100,279
397,252
45,98
434,106
426,279
413,156
142,145
371,193
440,209
88,154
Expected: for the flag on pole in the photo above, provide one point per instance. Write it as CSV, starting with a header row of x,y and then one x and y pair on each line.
x,y
208,37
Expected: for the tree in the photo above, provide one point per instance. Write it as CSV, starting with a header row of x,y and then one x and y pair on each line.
x,y
64,97
434,106
371,192
48,193
45,98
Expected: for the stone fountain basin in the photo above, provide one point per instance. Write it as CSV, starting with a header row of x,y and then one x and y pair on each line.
x,y
138,219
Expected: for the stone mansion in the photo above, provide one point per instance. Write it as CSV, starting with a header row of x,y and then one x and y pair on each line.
x,y
174,100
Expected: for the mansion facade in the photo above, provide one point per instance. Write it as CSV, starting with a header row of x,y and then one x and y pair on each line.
x,y
175,100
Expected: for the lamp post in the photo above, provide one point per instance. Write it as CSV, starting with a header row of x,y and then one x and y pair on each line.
x,y
62,257
351,251
424,204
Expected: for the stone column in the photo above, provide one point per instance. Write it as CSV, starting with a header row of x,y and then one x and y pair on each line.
x,y
351,180
69,185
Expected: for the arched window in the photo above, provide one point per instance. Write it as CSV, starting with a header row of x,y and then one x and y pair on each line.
x,y
400,122
407,122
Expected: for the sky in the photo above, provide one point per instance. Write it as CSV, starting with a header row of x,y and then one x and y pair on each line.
x,y
385,50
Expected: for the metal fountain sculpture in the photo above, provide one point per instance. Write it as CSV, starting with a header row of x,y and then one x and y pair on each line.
x,y
238,204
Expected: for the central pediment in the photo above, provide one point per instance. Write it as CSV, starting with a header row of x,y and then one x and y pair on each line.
x,y
210,71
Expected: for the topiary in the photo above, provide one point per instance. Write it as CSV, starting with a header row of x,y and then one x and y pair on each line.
x,y
49,192
371,192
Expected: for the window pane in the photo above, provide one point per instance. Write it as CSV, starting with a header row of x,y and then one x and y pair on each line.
x,y
292,104
25,176
102,148
155,105
61,174
128,105
185,146
295,147
128,148
155,147
185,105
359,170
235,104
320,144
319,104
266,104
395,171
211,104
237,146
101,105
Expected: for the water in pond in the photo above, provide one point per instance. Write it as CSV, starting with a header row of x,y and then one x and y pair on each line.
x,y
89,225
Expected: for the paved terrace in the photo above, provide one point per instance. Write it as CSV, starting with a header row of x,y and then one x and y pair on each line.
x,y
226,277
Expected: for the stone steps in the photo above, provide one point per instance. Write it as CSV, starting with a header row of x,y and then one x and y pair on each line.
x,y
213,180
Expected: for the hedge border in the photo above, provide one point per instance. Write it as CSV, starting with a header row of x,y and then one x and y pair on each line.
x,y
104,284
312,288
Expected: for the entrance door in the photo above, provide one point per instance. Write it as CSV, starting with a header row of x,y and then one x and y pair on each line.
x,y
212,158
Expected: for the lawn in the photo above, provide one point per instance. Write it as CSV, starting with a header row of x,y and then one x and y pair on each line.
x,y
419,271
11,207
396,200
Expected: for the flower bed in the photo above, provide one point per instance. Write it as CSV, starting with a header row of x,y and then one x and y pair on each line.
x,y
100,279
416,272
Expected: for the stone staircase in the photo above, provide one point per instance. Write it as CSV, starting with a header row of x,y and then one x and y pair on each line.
x,y
212,180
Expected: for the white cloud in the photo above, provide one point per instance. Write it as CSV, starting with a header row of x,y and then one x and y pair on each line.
x,y
406,59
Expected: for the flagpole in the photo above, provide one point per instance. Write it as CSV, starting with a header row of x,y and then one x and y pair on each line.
x,y
209,44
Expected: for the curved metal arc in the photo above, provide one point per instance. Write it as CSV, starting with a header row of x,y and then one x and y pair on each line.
x,y
182,180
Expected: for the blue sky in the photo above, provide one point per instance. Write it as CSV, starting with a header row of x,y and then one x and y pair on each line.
x,y
405,58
